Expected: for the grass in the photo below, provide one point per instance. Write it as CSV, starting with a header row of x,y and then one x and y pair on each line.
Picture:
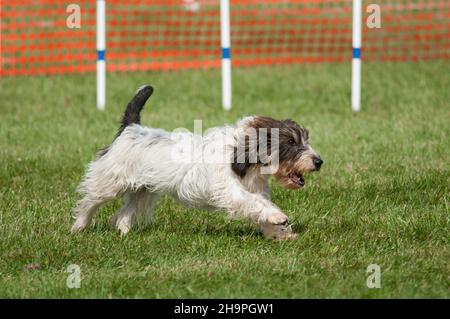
x,y
382,196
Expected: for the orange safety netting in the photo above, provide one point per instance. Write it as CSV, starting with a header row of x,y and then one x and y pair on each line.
x,y
180,34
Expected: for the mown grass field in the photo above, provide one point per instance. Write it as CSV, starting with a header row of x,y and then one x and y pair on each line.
x,y
382,196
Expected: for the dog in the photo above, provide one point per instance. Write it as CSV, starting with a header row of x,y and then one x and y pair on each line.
x,y
227,169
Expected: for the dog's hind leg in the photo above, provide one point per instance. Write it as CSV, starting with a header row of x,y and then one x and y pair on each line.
x,y
84,211
146,208
137,210
96,192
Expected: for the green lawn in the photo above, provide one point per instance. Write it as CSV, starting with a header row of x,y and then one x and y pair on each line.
x,y
382,196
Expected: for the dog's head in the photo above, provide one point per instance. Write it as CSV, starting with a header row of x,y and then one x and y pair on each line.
x,y
279,145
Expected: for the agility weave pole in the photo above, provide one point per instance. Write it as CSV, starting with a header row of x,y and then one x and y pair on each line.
x,y
356,59
226,59
101,46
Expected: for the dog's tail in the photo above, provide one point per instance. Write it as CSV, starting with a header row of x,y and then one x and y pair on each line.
x,y
134,108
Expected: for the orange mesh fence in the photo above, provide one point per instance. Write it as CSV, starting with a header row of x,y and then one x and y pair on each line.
x,y
180,34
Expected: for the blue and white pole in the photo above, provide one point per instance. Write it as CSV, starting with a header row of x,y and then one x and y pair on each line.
x,y
226,61
356,61
101,66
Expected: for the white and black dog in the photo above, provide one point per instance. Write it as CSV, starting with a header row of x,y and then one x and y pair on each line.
x,y
225,169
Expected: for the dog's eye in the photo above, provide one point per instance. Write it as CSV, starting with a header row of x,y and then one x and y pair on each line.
x,y
291,141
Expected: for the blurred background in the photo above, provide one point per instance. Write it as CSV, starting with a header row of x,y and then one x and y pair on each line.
x,y
185,34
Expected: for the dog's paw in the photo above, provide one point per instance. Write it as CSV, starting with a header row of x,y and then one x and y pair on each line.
x,y
78,226
278,232
286,236
277,218
123,224
123,228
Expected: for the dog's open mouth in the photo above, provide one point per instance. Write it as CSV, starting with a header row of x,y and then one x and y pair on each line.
x,y
297,179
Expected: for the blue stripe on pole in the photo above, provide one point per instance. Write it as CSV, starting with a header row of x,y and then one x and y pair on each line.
x,y
101,55
225,53
356,53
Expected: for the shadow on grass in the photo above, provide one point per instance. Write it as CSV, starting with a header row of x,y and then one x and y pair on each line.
x,y
215,226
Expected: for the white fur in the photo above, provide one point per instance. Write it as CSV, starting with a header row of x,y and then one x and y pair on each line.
x,y
145,162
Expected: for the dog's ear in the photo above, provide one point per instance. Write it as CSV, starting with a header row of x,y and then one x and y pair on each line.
x,y
240,168
251,150
241,163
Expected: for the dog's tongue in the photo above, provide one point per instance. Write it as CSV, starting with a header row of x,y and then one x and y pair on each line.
x,y
299,180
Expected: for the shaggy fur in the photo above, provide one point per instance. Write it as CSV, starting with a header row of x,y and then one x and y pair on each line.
x,y
225,169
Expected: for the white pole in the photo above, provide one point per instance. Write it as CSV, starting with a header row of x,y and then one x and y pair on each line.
x,y
356,61
226,61
101,67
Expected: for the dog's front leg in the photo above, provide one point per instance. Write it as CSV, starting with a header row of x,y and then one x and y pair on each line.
x,y
270,220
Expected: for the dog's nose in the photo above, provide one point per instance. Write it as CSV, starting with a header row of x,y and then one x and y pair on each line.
x,y
318,162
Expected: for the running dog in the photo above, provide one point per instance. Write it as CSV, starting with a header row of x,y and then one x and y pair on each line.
x,y
226,169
